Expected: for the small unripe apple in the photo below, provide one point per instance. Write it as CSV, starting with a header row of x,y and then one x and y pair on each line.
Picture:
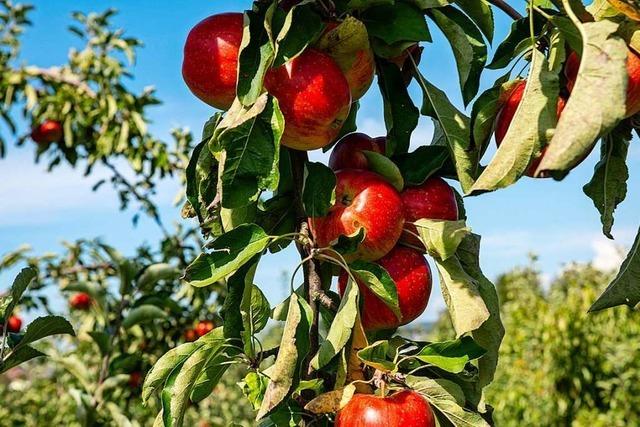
x,y
405,408
411,272
190,335
210,64
314,97
135,379
433,199
203,327
47,132
80,301
14,324
363,200
572,67
347,153
508,111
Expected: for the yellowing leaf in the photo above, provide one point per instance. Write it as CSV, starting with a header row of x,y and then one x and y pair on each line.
x,y
332,401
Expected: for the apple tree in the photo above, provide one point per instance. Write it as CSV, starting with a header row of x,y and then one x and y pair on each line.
x,y
288,76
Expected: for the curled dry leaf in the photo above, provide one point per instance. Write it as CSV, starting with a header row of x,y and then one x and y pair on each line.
x,y
332,401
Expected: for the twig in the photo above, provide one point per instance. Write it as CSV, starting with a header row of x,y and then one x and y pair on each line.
x,y
312,281
502,5
55,74
325,300
151,208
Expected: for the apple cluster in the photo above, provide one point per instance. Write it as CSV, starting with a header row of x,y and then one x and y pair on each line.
x,y
314,90
365,200
511,98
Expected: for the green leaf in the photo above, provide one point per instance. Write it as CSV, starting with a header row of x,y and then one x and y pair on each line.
x,y
376,356
400,114
448,399
481,13
516,42
441,238
625,287
255,56
377,280
483,115
396,23
19,286
301,27
489,335
102,341
213,371
461,293
253,386
454,128
294,347
155,273
202,180
528,132
602,70
228,253
182,380
239,292
346,245
259,310
319,190
143,314
468,47
416,167
18,357
452,356
341,328
349,125
383,166
608,187
251,152
163,367
43,327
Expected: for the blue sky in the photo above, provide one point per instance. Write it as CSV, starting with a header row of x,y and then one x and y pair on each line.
x,y
555,220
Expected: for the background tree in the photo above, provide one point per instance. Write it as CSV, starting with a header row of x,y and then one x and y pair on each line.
x,y
578,368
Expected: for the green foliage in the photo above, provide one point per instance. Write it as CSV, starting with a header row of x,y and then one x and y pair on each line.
x,y
560,365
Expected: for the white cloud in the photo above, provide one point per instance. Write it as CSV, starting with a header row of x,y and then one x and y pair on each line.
x,y
608,255
30,195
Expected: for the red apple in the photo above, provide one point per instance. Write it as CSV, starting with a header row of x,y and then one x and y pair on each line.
x,y
14,323
210,64
412,274
203,327
633,71
347,153
505,116
190,335
363,200
348,44
433,199
80,301
47,132
135,379
314,98
404,408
